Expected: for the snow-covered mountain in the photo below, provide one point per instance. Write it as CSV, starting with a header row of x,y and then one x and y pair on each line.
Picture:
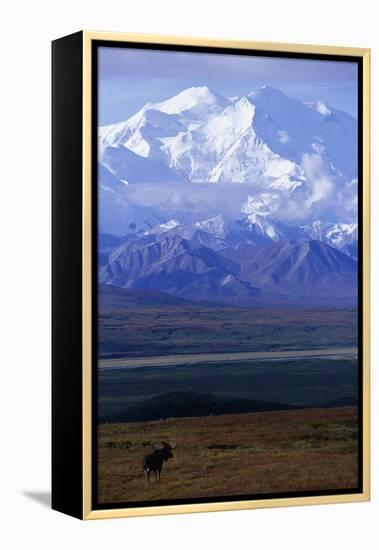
x,y
263,227
218,232
226,199
292,161
201,136
221,232
343,236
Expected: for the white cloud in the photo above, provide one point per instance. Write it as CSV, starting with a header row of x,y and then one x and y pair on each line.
x,y
321,189
283,136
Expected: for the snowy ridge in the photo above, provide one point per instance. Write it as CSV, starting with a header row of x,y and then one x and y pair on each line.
x,y
206,137
291,161
191,99
338,235
256,228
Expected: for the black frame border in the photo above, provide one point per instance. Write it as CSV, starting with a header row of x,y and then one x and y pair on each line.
x,y
67,256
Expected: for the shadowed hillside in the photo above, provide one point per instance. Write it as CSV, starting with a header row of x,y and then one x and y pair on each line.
x,y
182,404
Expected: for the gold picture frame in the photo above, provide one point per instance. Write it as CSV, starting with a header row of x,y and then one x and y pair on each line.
x,y
84,509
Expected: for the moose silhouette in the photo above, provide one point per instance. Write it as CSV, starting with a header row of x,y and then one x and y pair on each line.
x,y
154,461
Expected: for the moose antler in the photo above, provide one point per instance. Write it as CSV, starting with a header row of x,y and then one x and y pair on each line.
x,y
164,444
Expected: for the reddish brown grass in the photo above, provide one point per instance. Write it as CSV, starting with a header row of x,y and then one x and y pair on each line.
x,y
242,454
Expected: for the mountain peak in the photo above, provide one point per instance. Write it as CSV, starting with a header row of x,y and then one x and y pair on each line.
x,y
243,103
265,91
164,227
264,226
190,98
216,225
198,91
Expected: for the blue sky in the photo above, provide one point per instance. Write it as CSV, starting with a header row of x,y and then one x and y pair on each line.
x,y
129,78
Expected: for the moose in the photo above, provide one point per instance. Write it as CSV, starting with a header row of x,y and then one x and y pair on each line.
x,y
154,461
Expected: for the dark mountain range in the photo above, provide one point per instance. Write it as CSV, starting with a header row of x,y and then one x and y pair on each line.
x,y
190,404
112,298
176,266
351,249
294,264
307,271
106,244
251,273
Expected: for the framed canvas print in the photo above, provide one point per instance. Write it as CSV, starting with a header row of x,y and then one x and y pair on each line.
x,y
210,275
